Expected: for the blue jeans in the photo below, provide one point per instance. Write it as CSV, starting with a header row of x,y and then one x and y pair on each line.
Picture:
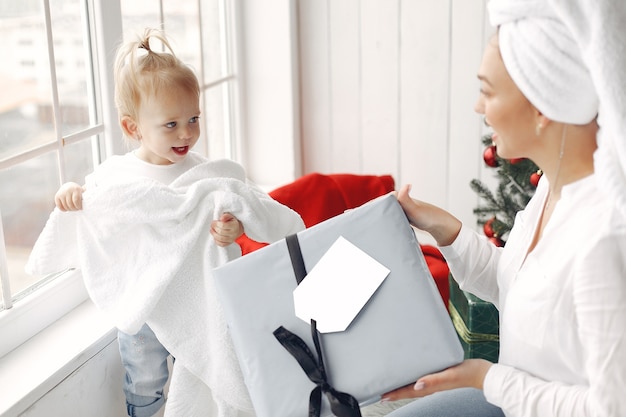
x,y
462,402
145,362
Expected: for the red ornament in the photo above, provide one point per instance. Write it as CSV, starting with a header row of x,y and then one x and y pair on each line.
x,y
489,155
516,160
488,227
496,241
534,178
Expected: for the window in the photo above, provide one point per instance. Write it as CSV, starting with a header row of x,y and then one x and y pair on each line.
x,y
57,122
38,153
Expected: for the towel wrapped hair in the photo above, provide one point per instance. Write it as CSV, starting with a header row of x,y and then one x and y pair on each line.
x,y
568,57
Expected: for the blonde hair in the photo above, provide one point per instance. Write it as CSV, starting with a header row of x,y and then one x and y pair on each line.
x,y
141,72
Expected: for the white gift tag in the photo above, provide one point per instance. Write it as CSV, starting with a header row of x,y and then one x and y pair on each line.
x,y
338,287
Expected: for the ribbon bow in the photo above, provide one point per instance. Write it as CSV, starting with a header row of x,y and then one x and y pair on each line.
x,y
341,404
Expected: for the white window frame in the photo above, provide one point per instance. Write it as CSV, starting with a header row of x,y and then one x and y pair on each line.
x,y
52,300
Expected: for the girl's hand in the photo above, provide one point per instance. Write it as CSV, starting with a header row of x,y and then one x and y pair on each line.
x,y
226,229
469,373
69,197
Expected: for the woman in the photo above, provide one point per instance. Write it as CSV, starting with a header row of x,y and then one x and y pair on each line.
x,y
560,282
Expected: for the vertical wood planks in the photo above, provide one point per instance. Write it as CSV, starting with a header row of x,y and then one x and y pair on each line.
x,y
388,87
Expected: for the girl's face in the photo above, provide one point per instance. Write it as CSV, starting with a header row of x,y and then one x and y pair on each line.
x,y
167,126
510,115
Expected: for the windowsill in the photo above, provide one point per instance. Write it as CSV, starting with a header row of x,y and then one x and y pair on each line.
x,y
38,365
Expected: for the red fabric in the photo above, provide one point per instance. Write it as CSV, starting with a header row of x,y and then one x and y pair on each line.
x,y
438,269
317,197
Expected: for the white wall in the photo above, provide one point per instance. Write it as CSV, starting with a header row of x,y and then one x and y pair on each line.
x,y
388,87
93,390
71,368
270,92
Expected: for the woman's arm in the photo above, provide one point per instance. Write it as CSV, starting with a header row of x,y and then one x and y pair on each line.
x,y
443,226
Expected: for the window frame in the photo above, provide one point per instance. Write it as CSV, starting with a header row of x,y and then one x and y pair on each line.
x,y
53,298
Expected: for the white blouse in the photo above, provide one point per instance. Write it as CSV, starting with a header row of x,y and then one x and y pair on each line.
x,y
562,309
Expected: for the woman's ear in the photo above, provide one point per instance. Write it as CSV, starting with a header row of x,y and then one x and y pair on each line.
x,y
544,120
541,122
130,127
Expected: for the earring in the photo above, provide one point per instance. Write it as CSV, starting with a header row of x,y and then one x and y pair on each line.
x,y
538,129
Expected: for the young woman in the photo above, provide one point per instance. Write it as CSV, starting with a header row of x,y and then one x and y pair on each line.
x,y
560,281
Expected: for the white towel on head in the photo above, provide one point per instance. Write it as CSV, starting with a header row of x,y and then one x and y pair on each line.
x,y
557,50
544,60
147,255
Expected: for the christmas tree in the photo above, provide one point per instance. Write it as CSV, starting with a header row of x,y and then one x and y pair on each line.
x,y
517,181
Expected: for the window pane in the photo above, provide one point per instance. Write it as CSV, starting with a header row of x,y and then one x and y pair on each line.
x,y
138,15
215,126
182,25
25,117
212,41
80,159
71,54
30,188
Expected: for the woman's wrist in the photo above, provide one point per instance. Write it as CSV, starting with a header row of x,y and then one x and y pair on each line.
x,y
446,228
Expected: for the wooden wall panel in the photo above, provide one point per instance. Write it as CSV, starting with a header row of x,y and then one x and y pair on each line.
x,y
465,154
424,97
315,116
345,86
388,86
380,86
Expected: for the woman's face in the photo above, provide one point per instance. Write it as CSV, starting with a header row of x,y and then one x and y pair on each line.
x,y
510,115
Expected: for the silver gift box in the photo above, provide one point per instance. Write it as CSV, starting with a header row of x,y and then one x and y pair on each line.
x,y
402,333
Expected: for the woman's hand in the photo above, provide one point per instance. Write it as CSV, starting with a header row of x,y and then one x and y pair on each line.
x,y
226,229
469,373
443,226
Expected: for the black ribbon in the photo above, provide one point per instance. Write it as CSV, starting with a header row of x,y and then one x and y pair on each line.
x,y
297,262
341,404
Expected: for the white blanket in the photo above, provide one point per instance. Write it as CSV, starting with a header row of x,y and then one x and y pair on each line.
x,y
146,256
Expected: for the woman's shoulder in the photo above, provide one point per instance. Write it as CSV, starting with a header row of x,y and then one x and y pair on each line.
x,y
593,209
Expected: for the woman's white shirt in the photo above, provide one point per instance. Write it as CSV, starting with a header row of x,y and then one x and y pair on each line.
x,y
562,306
